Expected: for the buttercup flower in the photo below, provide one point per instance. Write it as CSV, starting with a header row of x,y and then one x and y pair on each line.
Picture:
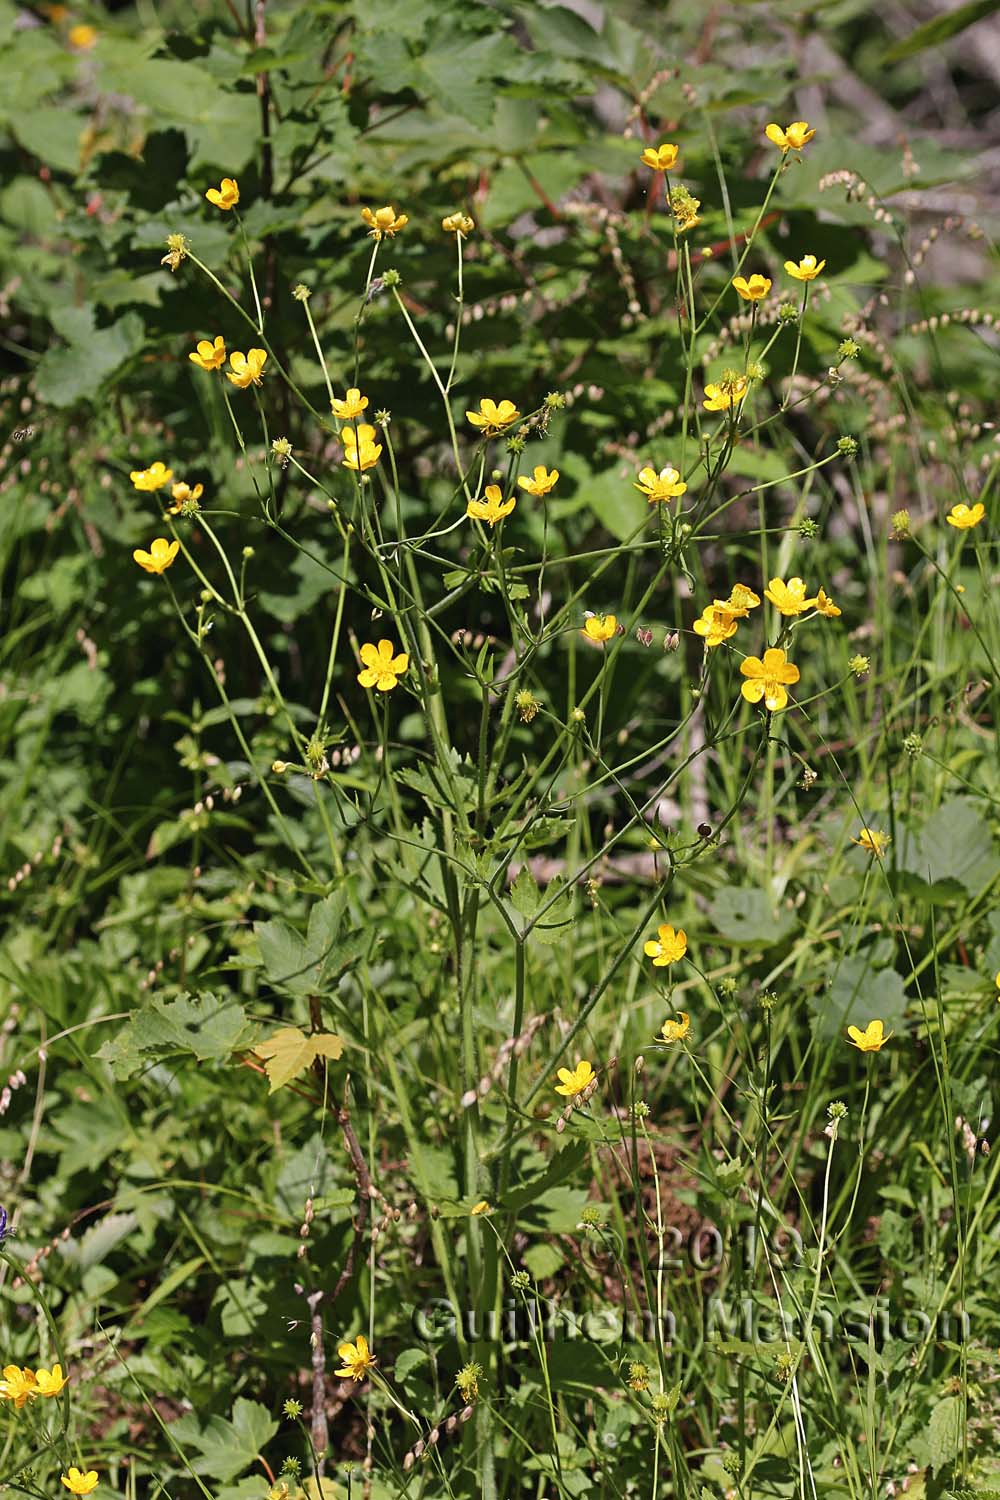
x,y
792,138
676,1031
807,269
662,486
600,627
80,1484
81,37
226,196
382,670
741,600
185,496
869,1040
493,508
492,417
541,482
660,158
717,624
360,448
667,947
458,224
754,289
482,1207
159,557
18,1385
874,840
789,598
727,392
826,606
153,478
767,679
352,405
358,1359
384,222
50,1382
209,355
246,368
963,516
573,1081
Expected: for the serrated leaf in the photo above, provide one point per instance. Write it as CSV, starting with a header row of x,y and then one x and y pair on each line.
x,y
289,1052
98,1241
745,915
227,1448
954,844
207,1026
944,1432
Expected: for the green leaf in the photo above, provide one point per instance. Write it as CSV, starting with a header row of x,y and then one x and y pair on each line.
x,y
941,28
52,134
524,895
208,1027
227,1448
745,915
858,993
77,373
944,1432
99,1241
543,1260
954,844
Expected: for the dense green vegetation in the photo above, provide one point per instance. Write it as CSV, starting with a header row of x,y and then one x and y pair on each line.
x,y
498,751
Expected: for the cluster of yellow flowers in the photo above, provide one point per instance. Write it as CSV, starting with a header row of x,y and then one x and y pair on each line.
x,y
162,553
21,1385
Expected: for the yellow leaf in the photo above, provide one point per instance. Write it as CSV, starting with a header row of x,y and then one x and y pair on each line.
x,y
289,1052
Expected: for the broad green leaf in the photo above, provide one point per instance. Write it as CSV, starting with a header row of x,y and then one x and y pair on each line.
x,y
944,1432
208,1027
227,1448
289,1052
955,843
745,915
77,372
858,993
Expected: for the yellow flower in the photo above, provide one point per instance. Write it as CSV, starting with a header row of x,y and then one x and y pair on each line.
x,y
754,289
492,417
541,482
177,249
80,1484
81,37
246,368
493,508
767,679
17,1385
358,1359
964,516
352,405
153,478
789,598
184,495
384,221
600,627
869,1040
573,1081
159,557
482,1207
874,840
667,947
740,602
716,624
382,667
360,448
793,137
663,486
226,196
458,224
660,158
209,355
726,393
807,269
826,606
50,1382
676,1031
